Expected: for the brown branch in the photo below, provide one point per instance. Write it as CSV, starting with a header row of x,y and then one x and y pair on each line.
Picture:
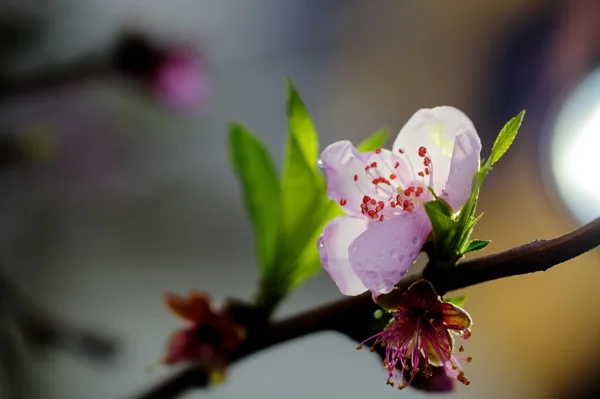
x,y
42,331
85,70
351,316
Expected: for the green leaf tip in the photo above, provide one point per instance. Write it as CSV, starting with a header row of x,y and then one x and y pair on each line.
x,y
505,139
476,245
457,300
374,141
301,127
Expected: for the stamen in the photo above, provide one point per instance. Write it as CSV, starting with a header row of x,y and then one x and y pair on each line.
x,y
343,201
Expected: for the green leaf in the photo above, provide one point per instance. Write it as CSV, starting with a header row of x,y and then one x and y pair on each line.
x,y
476,245
303,187
308,263
374,141
505,138
457,300
301,127
258,177
441,204
441,222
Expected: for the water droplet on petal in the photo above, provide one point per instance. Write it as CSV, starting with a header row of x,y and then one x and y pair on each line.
x,y
412,255
320,243
370,279
415,241
401,258
320,164
394,253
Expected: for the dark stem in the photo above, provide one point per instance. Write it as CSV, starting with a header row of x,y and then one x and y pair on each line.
x,y
351,316
90,69
42,331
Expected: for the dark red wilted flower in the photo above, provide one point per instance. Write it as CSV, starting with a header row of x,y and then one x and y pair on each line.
x,y
209,338
421,332
176,75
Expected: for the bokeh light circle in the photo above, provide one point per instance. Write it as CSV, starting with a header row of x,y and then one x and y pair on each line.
x,y
575,150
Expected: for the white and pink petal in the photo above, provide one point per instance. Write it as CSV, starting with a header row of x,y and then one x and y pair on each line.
x,y
465,163
435,130
333,252
383,254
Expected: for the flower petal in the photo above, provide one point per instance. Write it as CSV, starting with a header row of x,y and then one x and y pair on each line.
x,y
464,165
437,382
436,130
342,161
333,251
195,308
382,255
439,346
455,316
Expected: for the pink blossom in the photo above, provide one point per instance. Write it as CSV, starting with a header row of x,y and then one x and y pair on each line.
x,y
421,336
181,80
383,192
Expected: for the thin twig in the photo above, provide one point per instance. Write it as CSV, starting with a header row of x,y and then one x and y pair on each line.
x,y
40,330
351,316
86,70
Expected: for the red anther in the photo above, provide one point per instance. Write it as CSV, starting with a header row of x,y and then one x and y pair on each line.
x,y
422,151
396,165
378,209
343,201
367,167
375,181
355,177
419,191
373,164
421,174
378,151
426,161
406,204
409,190
393,204
371,212
381,218
398,199
372,201
392,176
427,171
366,198
400,150
381,203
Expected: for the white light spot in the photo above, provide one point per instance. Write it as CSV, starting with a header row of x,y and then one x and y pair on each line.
x,y
575,150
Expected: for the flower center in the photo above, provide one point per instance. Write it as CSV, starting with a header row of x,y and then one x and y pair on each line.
x,y
399,185
415,336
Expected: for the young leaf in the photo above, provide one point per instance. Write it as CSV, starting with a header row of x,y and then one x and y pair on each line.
x,y
308,263
457,300
301,126
258,177
374,141
302,188
441,204
505,138
476,245
441,223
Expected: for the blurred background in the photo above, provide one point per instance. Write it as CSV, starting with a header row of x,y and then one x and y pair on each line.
x,y
116,185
